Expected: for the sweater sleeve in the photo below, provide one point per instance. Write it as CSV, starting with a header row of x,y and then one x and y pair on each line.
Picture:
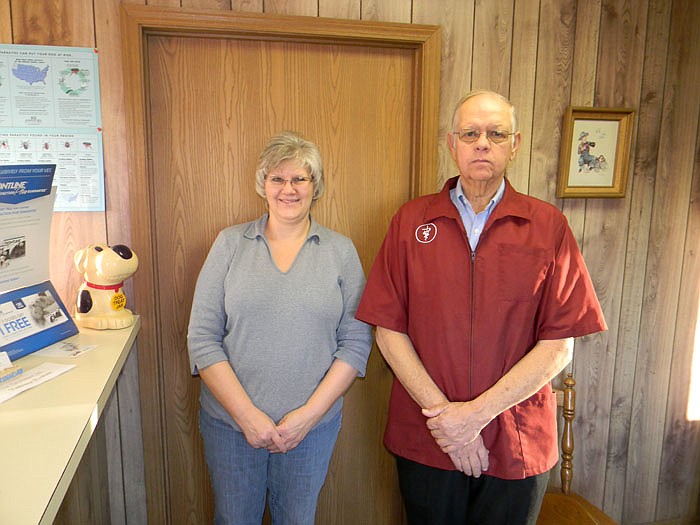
x,y
208,318
354,337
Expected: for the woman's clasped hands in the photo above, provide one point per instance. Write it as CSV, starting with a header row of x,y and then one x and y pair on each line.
x,y
261,431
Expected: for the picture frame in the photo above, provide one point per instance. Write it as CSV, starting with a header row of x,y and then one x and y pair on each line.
x,y
595,150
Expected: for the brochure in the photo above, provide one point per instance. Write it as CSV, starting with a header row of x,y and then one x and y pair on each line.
x,y
32,318
32,315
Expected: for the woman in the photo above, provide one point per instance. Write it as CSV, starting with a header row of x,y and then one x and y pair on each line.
x,y
273,336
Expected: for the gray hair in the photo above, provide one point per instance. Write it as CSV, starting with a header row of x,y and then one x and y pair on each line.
x,y
290,145
477,92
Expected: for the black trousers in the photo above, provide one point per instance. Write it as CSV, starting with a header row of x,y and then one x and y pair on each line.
x,y
434,496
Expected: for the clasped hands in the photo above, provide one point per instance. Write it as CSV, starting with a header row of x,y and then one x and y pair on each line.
x,y
456,432
261,431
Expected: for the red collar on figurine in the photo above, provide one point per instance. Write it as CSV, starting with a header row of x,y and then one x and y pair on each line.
x,y
114,287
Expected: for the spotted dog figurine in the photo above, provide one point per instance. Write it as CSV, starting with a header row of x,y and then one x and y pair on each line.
x,y
101,303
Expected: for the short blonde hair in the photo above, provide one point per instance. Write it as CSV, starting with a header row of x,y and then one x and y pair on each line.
x,y
290,145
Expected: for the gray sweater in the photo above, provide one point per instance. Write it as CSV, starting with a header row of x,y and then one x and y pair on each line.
x,y
279,331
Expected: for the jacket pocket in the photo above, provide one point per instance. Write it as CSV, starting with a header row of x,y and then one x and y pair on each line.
x,y
521,272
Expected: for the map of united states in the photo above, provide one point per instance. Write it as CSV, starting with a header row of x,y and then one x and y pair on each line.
x,y
30,74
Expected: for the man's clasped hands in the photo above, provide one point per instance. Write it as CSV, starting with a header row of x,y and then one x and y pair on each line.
x,y
457,431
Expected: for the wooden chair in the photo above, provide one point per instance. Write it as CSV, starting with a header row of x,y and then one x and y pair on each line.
x,y
566,507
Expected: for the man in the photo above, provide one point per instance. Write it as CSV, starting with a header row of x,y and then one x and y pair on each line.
x,y
477,293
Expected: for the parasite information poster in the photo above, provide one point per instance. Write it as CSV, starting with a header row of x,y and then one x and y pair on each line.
x,y
50,114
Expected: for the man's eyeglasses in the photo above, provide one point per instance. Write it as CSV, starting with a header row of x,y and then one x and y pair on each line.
x,y
281,182
496,136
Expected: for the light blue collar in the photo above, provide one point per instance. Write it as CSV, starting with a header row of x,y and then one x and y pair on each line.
x,y
459,194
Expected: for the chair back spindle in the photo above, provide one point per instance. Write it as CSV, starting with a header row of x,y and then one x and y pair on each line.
x,y
567,439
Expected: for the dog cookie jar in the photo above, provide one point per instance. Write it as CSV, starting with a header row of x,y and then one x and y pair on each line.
x,y
101,303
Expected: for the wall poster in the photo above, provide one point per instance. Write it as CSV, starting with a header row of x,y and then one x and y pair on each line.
x,y
50,114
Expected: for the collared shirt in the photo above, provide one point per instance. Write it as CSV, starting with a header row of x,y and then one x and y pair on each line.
x,y
280,331
472,316
474,222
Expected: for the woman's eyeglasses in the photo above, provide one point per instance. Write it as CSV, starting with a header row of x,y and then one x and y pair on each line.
x,y
281,182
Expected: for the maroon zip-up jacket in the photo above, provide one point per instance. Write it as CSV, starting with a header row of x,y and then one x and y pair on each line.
x,y
472,315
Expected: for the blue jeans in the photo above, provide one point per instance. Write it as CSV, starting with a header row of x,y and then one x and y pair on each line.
x,y
241,476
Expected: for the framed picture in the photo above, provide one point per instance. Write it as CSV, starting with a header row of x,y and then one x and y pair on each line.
x,y
595,150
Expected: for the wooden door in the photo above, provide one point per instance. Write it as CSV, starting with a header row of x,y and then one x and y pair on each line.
x,y
211,101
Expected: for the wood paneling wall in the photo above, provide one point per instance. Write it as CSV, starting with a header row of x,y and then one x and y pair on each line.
x,y
637,455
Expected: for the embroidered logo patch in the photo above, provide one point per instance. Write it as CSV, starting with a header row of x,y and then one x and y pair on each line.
x,y
426,233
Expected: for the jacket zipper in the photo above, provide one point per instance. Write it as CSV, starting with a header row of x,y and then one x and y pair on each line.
x,y
471,317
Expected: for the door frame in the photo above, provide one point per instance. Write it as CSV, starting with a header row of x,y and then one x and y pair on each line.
x,y
140,22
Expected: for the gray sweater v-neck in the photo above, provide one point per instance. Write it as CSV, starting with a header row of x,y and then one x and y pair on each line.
x,y
280,331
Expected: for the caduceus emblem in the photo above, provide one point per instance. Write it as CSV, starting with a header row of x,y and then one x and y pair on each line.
x,y
426,233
